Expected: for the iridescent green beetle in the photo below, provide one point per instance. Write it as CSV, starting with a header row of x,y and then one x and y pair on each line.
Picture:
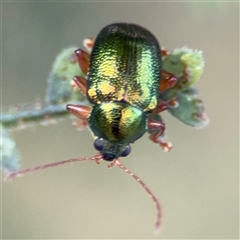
x,y
124,81
124,85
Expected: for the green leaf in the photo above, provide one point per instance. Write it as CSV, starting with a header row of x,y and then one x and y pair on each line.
x,y
9,159
64,68
186,64
190,111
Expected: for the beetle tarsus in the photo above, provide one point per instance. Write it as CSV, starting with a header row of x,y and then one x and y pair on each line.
x,y
164,52
88,44
164,105
173,103
156,127
167,80
165,145
80,123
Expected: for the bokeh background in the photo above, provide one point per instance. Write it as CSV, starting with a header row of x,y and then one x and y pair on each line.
x,y
197,182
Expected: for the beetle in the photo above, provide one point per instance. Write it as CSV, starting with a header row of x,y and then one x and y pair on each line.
x,y
124,81
123,85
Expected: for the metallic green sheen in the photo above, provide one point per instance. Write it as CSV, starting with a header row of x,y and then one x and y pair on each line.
x,y
125,65
117,122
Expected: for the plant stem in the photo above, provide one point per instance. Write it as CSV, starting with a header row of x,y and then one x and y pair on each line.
x,y
25,117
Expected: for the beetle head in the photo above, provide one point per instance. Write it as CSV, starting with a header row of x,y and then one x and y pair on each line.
x,y
110,151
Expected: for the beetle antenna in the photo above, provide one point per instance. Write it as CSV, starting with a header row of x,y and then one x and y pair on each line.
x,y
19,173
149,192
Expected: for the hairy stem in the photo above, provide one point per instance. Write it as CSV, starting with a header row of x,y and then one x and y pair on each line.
x,y
33,116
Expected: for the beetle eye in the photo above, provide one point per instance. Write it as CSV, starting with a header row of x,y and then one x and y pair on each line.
x,y
126,151
98,144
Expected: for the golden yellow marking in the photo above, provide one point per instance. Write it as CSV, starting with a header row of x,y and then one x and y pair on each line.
x,y
108,68
108,107
105,88
127,116
92,92
152,104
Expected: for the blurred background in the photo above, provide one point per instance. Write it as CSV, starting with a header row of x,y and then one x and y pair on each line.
x,y
196,183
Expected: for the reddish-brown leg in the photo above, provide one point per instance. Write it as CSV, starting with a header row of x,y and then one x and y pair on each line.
x,y
167,80
81,83
88,44
164,52
166,145
156,129
162,106
172,103
83,60
80,124
79,110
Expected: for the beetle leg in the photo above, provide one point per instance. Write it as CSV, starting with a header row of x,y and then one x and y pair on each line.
x,y
88,44
166,145
164,52
156,129
83,60
81,83
80,124
79,110
167,80
173,102
162,105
